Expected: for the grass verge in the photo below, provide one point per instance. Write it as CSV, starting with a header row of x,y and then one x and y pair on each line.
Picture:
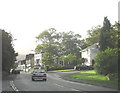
x,y
92,76
62,70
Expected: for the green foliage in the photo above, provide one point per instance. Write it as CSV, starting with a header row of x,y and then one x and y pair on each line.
x,y
8,53
71,57
106,62
68,59
93,36
55,45
115,35
71,43
82,60
105,36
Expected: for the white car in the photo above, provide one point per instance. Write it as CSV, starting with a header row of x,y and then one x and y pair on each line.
x,y
39,74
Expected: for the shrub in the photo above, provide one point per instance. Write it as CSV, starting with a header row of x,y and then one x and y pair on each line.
x,y
106,62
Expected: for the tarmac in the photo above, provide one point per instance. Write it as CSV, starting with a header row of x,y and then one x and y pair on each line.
x,y
5,81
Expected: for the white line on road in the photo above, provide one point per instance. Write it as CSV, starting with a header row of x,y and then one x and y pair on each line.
x,y
58,85
75,89
63,86
13,86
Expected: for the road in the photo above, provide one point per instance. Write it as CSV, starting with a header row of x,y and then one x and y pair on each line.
x,y
23,82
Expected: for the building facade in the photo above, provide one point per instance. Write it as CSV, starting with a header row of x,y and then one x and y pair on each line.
x,y
89,54
38,59
21,65
29,61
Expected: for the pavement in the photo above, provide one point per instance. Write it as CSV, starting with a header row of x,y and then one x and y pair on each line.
x,y
6,82
66,77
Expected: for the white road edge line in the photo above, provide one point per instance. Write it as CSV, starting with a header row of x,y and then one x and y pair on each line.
x,y
75,89
13,86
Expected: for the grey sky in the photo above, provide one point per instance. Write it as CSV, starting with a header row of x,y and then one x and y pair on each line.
x,y
25,19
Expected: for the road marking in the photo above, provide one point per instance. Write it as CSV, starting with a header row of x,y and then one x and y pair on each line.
x,y
63,86
75,89
13,86
58,85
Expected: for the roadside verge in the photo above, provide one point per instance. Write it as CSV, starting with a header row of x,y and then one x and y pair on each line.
x,y
66,77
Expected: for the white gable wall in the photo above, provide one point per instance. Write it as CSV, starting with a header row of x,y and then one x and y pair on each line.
x,y
89,53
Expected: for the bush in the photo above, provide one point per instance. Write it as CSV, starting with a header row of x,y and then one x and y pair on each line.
x,y
106,62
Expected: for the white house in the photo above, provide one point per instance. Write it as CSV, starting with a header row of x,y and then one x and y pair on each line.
x,y
38,59
89,53
21,65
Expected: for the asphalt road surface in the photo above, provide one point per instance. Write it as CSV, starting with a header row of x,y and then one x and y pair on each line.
x,y
23,82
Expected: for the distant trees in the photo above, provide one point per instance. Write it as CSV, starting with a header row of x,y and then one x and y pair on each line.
x,y
57,45
8,53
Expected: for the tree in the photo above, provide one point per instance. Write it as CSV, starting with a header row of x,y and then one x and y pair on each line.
x,y
93,36
71,44
54,45
115,35
106,62
71,58
68,60
8,52
105,36
48,45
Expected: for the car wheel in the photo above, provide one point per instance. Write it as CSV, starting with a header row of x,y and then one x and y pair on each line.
x,y
32,79
44,79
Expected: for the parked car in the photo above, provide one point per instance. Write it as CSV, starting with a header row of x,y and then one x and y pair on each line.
x,y
39,74
82,67
15,71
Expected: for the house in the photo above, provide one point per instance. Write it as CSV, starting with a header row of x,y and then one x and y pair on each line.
x,y
89,54
21,65
38,59
29,61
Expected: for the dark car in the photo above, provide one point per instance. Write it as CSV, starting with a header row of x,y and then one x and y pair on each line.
x,y
39,74
83,67
15,71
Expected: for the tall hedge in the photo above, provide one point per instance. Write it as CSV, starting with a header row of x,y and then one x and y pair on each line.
x,y
8,52
106,62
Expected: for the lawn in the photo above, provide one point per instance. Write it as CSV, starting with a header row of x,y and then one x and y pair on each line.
x,y
92,76
62,70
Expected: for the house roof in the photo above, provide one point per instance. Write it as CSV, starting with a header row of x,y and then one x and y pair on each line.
x,y
94,46
29,56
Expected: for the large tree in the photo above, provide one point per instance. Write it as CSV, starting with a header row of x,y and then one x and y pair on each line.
x,y
8,53
71,44
48,45
93,36
105,35
54,45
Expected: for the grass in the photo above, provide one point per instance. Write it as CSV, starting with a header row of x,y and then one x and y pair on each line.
x,y
92,76
62,70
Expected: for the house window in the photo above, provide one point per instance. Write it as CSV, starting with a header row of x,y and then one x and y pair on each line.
x,y
37,61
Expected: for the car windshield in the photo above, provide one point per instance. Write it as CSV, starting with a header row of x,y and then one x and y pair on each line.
x,y
39,71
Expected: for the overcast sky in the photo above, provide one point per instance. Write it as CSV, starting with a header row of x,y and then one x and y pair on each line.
x,y
25,19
